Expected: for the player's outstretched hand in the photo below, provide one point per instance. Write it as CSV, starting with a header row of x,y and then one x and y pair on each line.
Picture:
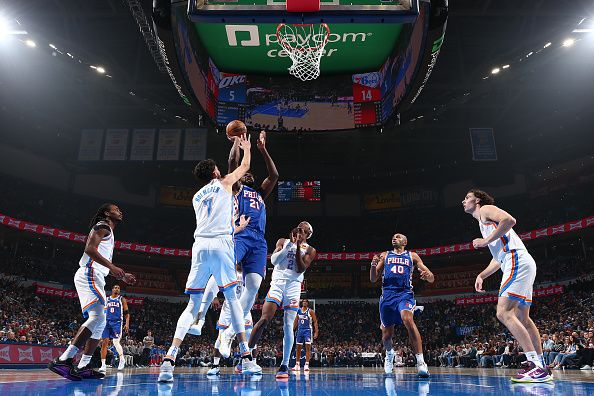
x,y
244,142
479,243
375,260
129,278
427,276
478,284
261,141
117,272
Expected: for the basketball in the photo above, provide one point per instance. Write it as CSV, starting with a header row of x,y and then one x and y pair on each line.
x,y
236,128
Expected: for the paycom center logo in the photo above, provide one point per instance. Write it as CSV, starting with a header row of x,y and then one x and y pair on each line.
x,y
249,36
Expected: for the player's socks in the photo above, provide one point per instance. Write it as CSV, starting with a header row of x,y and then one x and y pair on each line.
x,y
103,362
172,353
69,353
542,361
215,361
84,361
532,356
420,358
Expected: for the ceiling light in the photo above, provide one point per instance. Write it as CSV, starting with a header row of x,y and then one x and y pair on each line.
x,y
569,42
30,43
547,45
495,71
100,70
505,67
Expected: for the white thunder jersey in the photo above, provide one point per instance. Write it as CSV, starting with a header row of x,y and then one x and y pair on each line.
x,y
214,211
105,249
286,269
502,246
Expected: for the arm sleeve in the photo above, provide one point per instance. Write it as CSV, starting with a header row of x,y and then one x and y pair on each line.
x,y
281,254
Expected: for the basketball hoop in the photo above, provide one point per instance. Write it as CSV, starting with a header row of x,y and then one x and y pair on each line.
x,y
305,45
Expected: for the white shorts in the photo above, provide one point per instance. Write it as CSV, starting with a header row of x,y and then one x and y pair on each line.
x,y
225,319
518,276
212,256
285,293
90,286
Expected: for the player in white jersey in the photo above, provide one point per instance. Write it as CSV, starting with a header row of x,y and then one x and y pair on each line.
x,y
291,258
213,255
519,271
95,264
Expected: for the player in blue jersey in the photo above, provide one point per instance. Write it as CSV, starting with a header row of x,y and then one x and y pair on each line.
x,y
397,302
251,249
116,310
306,324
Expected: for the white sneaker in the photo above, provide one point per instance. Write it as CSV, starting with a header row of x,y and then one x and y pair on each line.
x,y
389,363
306,367
296,367
121,364
214,371
166,372
423,370
226,341
103,369
196,329
586,367
250,367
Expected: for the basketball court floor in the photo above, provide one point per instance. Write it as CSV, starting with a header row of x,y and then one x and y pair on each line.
x,y
319,382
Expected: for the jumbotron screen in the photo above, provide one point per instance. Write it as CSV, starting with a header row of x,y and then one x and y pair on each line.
x,y
299,191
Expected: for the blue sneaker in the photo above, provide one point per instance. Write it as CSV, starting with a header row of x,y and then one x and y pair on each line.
x,y
283,372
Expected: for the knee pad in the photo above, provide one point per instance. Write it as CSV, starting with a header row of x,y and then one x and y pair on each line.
x,y
96,321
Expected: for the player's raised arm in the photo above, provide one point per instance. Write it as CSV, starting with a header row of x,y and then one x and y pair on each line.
x,y
268,183
233,160
229,180
126,314
426,275
504,221
280,251
493,266
377,266
314,320
303,262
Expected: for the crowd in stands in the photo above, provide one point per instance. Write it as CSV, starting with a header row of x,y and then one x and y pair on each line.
x,y
349,334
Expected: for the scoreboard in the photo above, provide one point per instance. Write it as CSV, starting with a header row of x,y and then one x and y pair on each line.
x,y
299,191
367,99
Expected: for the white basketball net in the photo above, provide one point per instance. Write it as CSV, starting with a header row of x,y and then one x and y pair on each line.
x,y
305,46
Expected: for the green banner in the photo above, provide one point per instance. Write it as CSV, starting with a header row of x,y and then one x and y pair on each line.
x,y
254,49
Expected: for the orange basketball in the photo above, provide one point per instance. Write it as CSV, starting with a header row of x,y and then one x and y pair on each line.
x,y
236,128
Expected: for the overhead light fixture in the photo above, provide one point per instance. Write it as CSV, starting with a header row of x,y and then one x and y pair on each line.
x,y
568,42
495,70
505,67
30,43
547,45
52,46
100,70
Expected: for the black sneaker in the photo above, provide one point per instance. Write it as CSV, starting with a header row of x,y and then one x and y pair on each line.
x,y
88,372
65,369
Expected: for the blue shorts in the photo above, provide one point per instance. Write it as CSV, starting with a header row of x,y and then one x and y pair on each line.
x,y
303,336
113,329
391,305
251,251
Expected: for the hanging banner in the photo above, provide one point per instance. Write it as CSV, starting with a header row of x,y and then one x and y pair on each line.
x,y
195,144
64,293
483,144
143,145
91,141
169,142
342,256
116,145
28,355
492,298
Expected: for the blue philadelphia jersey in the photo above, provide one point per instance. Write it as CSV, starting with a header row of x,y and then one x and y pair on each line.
x,y
114,309
303,320
250,204
398,270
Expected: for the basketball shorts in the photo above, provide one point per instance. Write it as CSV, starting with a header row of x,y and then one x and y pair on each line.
x,y
225,319
285,293
90,287
303,336
391,305
251,252
519,272
113,329
212,256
